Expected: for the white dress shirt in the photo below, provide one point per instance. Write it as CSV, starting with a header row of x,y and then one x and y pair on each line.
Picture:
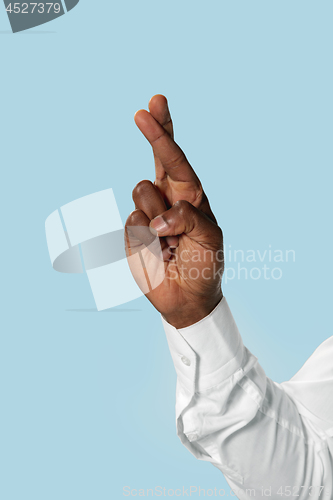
x,y
268,439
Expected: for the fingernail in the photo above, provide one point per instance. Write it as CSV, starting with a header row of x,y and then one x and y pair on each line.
x,y
159,225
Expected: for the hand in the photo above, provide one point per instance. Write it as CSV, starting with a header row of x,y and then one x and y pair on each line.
x,y
176,208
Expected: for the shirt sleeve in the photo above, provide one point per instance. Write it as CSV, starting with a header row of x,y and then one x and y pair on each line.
x,y
228,412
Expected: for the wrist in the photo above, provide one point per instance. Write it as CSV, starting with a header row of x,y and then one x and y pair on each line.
x,y
191,313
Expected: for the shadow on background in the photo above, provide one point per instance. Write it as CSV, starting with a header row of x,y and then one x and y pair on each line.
x,y
105,310
27,32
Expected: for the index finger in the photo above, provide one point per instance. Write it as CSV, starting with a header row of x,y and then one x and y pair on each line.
x,y
172,158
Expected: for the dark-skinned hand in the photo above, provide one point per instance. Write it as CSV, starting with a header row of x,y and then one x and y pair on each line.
x,y
176,208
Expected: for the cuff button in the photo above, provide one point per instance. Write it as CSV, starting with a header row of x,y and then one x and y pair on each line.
x,y
185,360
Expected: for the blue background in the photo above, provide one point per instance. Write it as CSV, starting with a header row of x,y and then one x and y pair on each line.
x,y
87,398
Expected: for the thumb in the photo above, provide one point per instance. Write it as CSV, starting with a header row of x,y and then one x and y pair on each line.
x,y
184,218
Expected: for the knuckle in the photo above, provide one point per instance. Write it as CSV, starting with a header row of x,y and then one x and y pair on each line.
x,y
183,206
135,218
201,197
141,189
174,161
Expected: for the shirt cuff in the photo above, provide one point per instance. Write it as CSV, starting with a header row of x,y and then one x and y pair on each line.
x,y
207,352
